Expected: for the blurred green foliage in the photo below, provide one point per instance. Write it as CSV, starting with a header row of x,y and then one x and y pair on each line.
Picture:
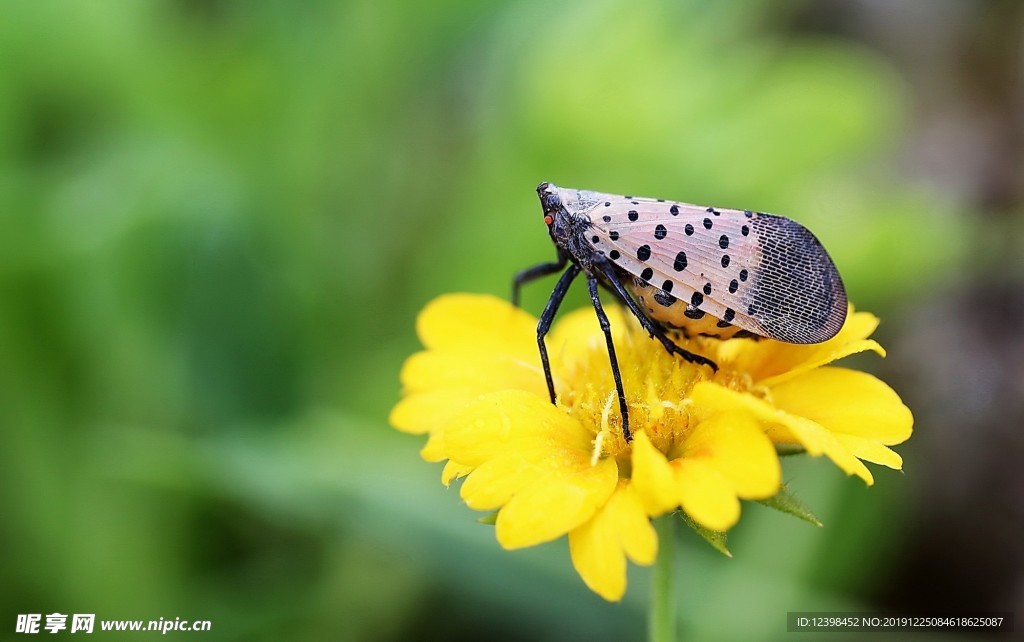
x,y
219,220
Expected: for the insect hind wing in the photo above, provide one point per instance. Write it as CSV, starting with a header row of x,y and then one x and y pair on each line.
x,y
798,295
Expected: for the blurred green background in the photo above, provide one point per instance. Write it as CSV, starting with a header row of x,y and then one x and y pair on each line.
x,y
218,221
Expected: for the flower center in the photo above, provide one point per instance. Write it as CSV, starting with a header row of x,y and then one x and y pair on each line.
x,y
657,387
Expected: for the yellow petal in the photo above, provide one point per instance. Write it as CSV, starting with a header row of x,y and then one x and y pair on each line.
x,y
599,559
464,321
847,401
824,355
870,450
705,494
579,332
494,482
809,434
452,471
472,370
712,398
769,362
652,477
500,422
734,445
434,449
555,504
638,537
424,412
599,547
575,333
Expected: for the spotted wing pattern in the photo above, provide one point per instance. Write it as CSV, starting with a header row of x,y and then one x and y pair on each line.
x,y
757,272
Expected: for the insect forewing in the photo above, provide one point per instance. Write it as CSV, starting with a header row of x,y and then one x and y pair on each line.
x,y
763,273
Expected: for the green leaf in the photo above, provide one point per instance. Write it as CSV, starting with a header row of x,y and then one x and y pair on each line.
x,y
490,518
715,538
787,502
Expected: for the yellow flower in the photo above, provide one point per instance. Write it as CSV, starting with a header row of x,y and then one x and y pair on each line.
x,y
703,440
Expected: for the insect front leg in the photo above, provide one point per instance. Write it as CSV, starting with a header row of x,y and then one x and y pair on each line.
x,y
652,328
606,327
548,316
536,272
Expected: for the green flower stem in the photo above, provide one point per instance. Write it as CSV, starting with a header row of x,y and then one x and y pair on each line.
x,y
662,617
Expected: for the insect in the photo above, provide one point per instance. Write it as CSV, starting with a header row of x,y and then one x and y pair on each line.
x,y
702,271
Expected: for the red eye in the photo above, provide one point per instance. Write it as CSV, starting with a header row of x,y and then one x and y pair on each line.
x,y
548,220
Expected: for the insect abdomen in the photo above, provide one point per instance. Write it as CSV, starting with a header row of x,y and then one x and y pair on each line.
x,y
681,313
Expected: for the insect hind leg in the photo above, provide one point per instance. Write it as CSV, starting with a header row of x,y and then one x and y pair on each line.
x,y
606,327
700,360
652,328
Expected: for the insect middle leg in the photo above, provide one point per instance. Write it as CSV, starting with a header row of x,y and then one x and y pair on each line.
x,y
547,317
651,327
606,327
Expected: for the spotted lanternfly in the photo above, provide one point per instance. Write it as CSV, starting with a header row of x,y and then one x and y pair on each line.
x,y
702,271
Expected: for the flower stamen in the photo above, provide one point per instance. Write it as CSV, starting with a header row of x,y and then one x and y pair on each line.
x,y
599,439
